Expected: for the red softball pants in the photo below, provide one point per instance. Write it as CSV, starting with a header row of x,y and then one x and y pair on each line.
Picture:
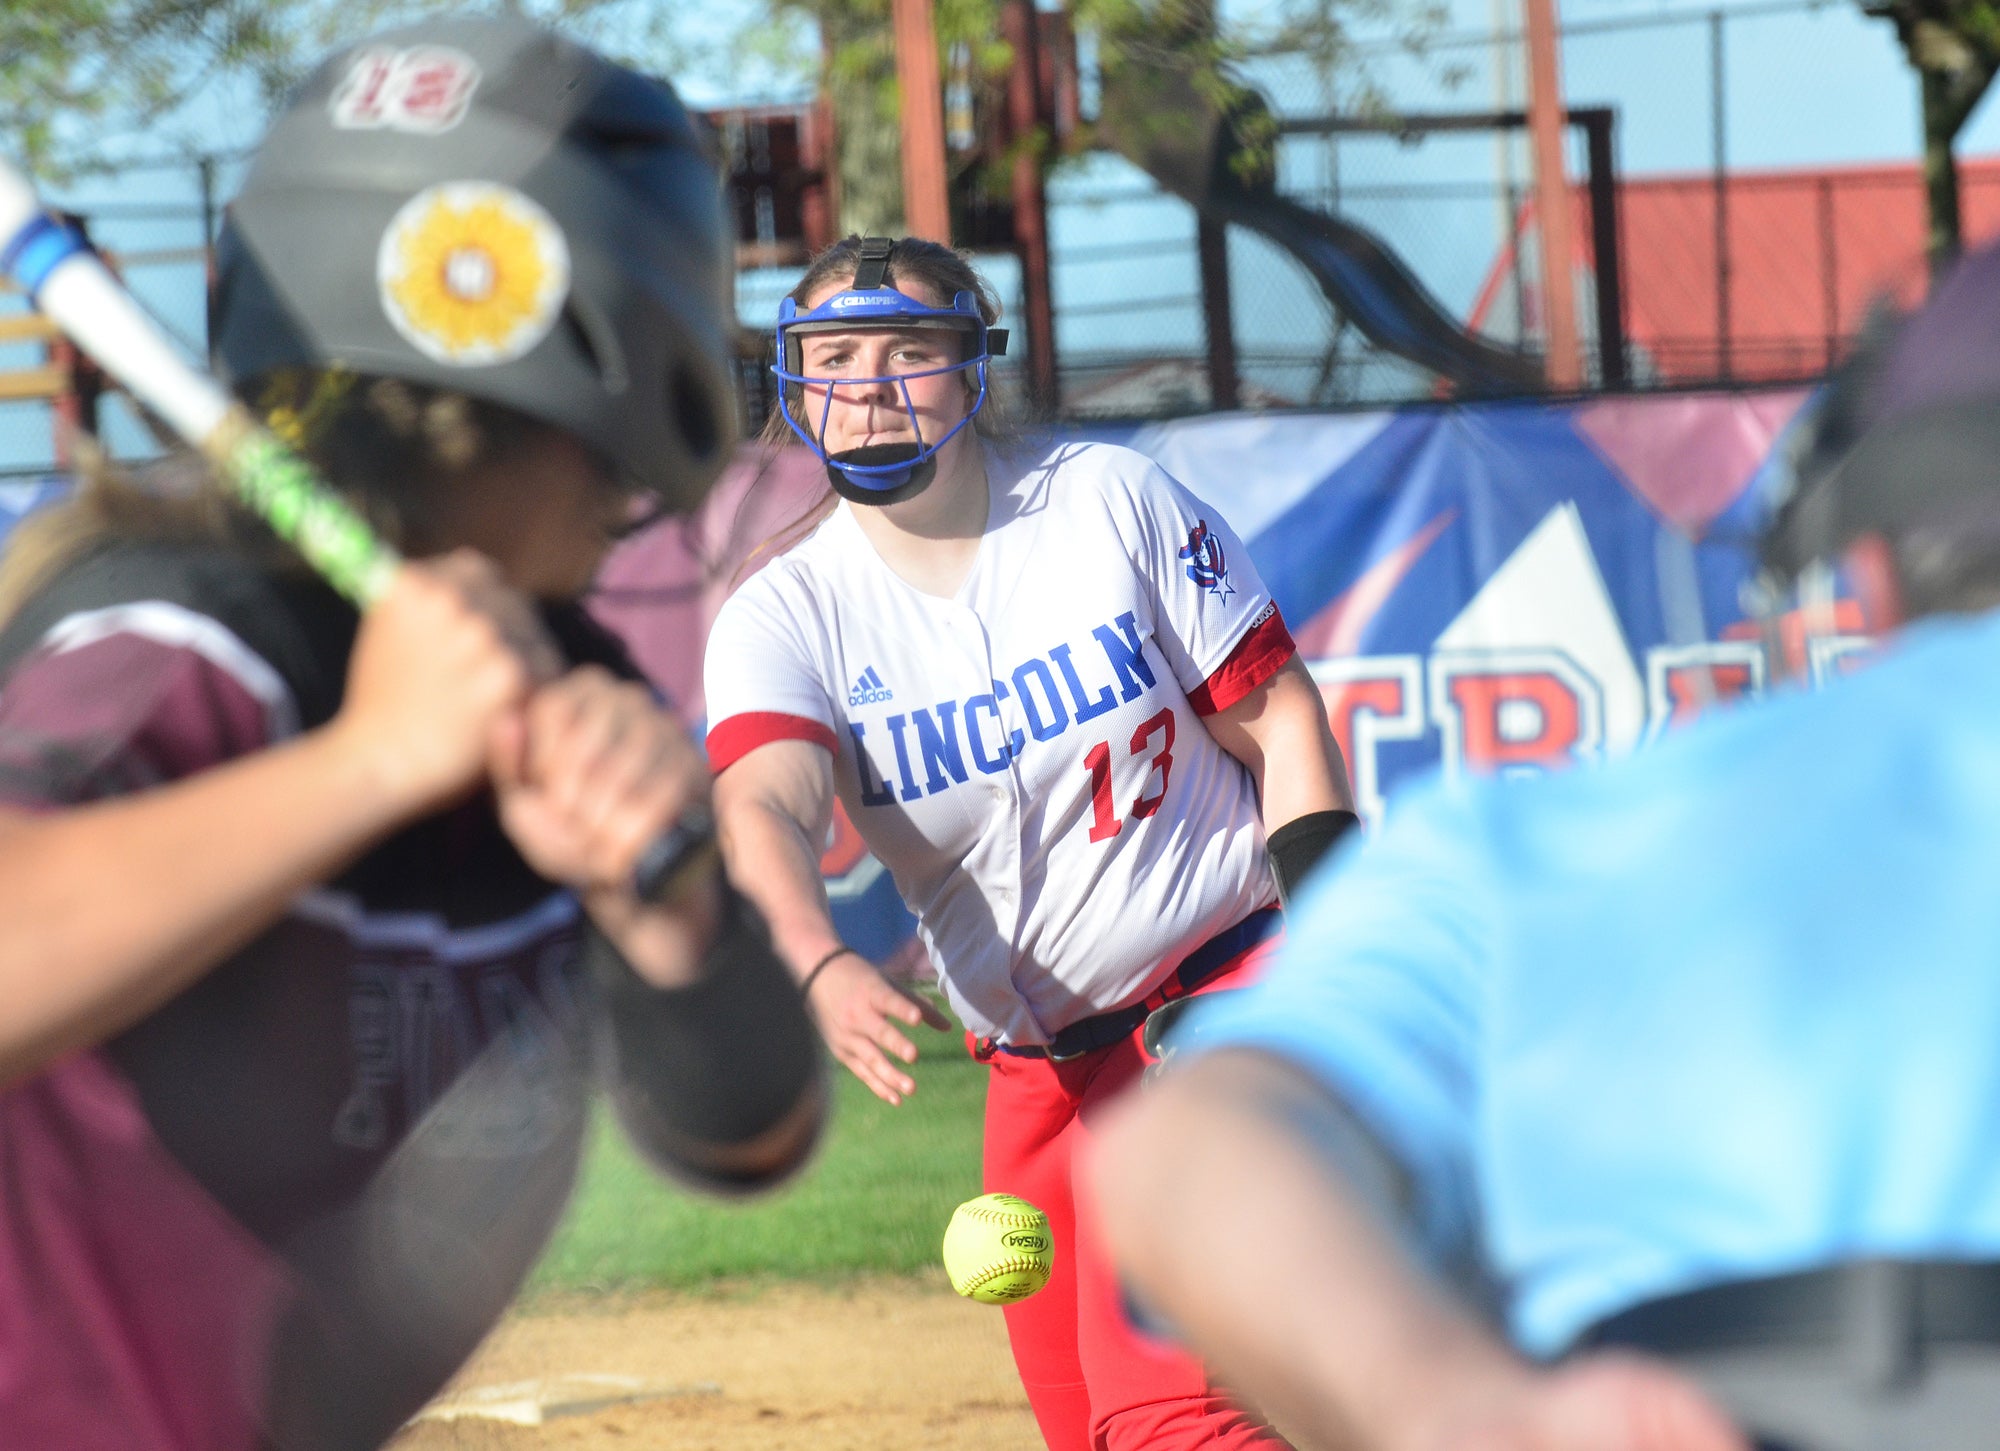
x,y
1095,1383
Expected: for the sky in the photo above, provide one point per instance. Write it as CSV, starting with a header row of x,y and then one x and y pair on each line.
x,y
1814,85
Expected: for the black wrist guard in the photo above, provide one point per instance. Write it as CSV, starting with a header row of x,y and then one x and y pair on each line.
x,y
701,1069
1298,845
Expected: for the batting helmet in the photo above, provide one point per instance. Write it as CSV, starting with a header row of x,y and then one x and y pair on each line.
x,y
479,205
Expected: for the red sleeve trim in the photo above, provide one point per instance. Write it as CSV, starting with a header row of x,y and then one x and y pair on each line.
x,y
1265,646
731,740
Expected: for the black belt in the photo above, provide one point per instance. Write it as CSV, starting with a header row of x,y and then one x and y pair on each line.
x,y
1920,1301
1087,1035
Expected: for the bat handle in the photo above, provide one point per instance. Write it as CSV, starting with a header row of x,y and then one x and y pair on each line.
x,y
675,854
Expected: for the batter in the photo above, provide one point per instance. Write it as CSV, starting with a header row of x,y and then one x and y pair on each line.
x,y
320,931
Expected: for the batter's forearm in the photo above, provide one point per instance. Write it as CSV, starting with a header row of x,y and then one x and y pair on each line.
x,y
1237,1220
664,942
720,1081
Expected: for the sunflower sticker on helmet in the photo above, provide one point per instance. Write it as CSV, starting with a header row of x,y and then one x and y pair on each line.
x,y
472,273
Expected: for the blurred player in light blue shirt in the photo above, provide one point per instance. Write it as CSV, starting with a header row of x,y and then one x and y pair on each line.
x,y
1697,1055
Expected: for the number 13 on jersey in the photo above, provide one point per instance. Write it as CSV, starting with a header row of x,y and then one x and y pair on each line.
x,y
1097,760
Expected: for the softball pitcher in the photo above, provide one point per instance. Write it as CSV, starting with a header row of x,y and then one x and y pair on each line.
x,y
315,923
1049,689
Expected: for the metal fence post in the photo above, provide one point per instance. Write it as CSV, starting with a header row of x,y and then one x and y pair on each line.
x,y
1719,134
1218,315
1598,123
205,167
1829,271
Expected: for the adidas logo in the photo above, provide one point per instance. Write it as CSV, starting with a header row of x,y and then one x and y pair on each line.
x,y
869,689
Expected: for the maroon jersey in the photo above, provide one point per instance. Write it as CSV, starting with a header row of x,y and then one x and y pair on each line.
x,y
282,1209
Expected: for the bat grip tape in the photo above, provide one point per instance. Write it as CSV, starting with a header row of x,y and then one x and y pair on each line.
x,y
40,247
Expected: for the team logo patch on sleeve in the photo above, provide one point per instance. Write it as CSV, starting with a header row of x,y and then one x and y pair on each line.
x,y
472,272
1206,565
424,89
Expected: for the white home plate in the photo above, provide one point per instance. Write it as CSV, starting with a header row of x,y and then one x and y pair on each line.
x,y
531,1402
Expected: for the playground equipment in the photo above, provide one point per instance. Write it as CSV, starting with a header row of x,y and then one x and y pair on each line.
x,y
1218,158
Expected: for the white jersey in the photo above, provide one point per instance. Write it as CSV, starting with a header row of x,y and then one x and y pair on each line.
x,y
1027,758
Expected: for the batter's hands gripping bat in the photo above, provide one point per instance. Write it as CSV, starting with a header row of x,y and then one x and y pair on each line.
x,y
55,266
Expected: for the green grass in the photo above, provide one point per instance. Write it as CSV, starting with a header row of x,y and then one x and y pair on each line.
x,y
874,1201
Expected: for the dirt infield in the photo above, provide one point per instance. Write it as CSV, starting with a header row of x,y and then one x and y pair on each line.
x,y
880,1365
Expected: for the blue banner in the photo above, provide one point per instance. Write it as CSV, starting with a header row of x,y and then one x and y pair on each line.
x,y
1509,587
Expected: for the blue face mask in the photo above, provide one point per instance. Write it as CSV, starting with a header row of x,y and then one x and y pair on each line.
x,y
884,473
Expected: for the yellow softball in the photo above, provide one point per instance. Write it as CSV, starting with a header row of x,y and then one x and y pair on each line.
x,y
998,1249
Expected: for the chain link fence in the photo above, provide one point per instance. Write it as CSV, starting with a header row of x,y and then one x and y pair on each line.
x,y
1760,211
